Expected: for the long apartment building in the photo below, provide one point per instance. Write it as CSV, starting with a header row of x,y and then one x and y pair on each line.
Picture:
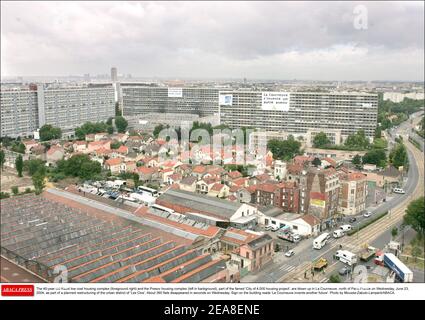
x,y
299,113
140,100
19,112
23,110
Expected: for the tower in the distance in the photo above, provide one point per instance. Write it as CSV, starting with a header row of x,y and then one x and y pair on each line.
x,y
114,74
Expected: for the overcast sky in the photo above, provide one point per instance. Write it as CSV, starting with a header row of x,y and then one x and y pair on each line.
x,y
271,40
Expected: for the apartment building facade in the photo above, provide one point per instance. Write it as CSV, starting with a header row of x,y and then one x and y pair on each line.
x,y
24,110
19,112
70,107
140,100
319,194
352,199
298,112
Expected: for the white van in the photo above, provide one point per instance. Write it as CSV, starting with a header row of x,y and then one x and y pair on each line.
x,y
338,234
345,227
346,257
399,190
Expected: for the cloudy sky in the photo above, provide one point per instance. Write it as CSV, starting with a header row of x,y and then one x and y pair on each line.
x,y
267,40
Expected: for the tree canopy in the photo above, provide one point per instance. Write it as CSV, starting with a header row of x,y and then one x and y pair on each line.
x,y
92,127
357,140
19,165
79,165
121,124
38,180
2,158
284,150
321,140
375,156
398,156
415,216
48,132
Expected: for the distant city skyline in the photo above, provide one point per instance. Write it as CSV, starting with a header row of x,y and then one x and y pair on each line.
x,y
334,41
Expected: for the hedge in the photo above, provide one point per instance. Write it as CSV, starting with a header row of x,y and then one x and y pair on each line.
x,y
365,224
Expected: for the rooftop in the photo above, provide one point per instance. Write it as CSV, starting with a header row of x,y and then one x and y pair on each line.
x,y
200,203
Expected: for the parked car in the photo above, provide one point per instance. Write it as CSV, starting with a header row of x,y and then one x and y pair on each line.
x,y
345,227
344,270
275,228
351,220
289,253
367,214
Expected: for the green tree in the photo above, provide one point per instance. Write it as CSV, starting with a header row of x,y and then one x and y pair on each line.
x,y
415,216
89,169
38,182
375,156
284,150
109,121
18,147
110,129
357,140
316,162
394,232
34,165
334,278
115,144
380,143
19,164
121,124
136,180
4,195
321,140
398,156
2,158
357,161
117,109
158,129
378,132
81,166
416,252
48,132
15,190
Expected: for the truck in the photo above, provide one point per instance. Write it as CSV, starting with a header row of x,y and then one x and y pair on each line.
x,y
320,264
403,273
346,257
367,254
321,241
288,235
